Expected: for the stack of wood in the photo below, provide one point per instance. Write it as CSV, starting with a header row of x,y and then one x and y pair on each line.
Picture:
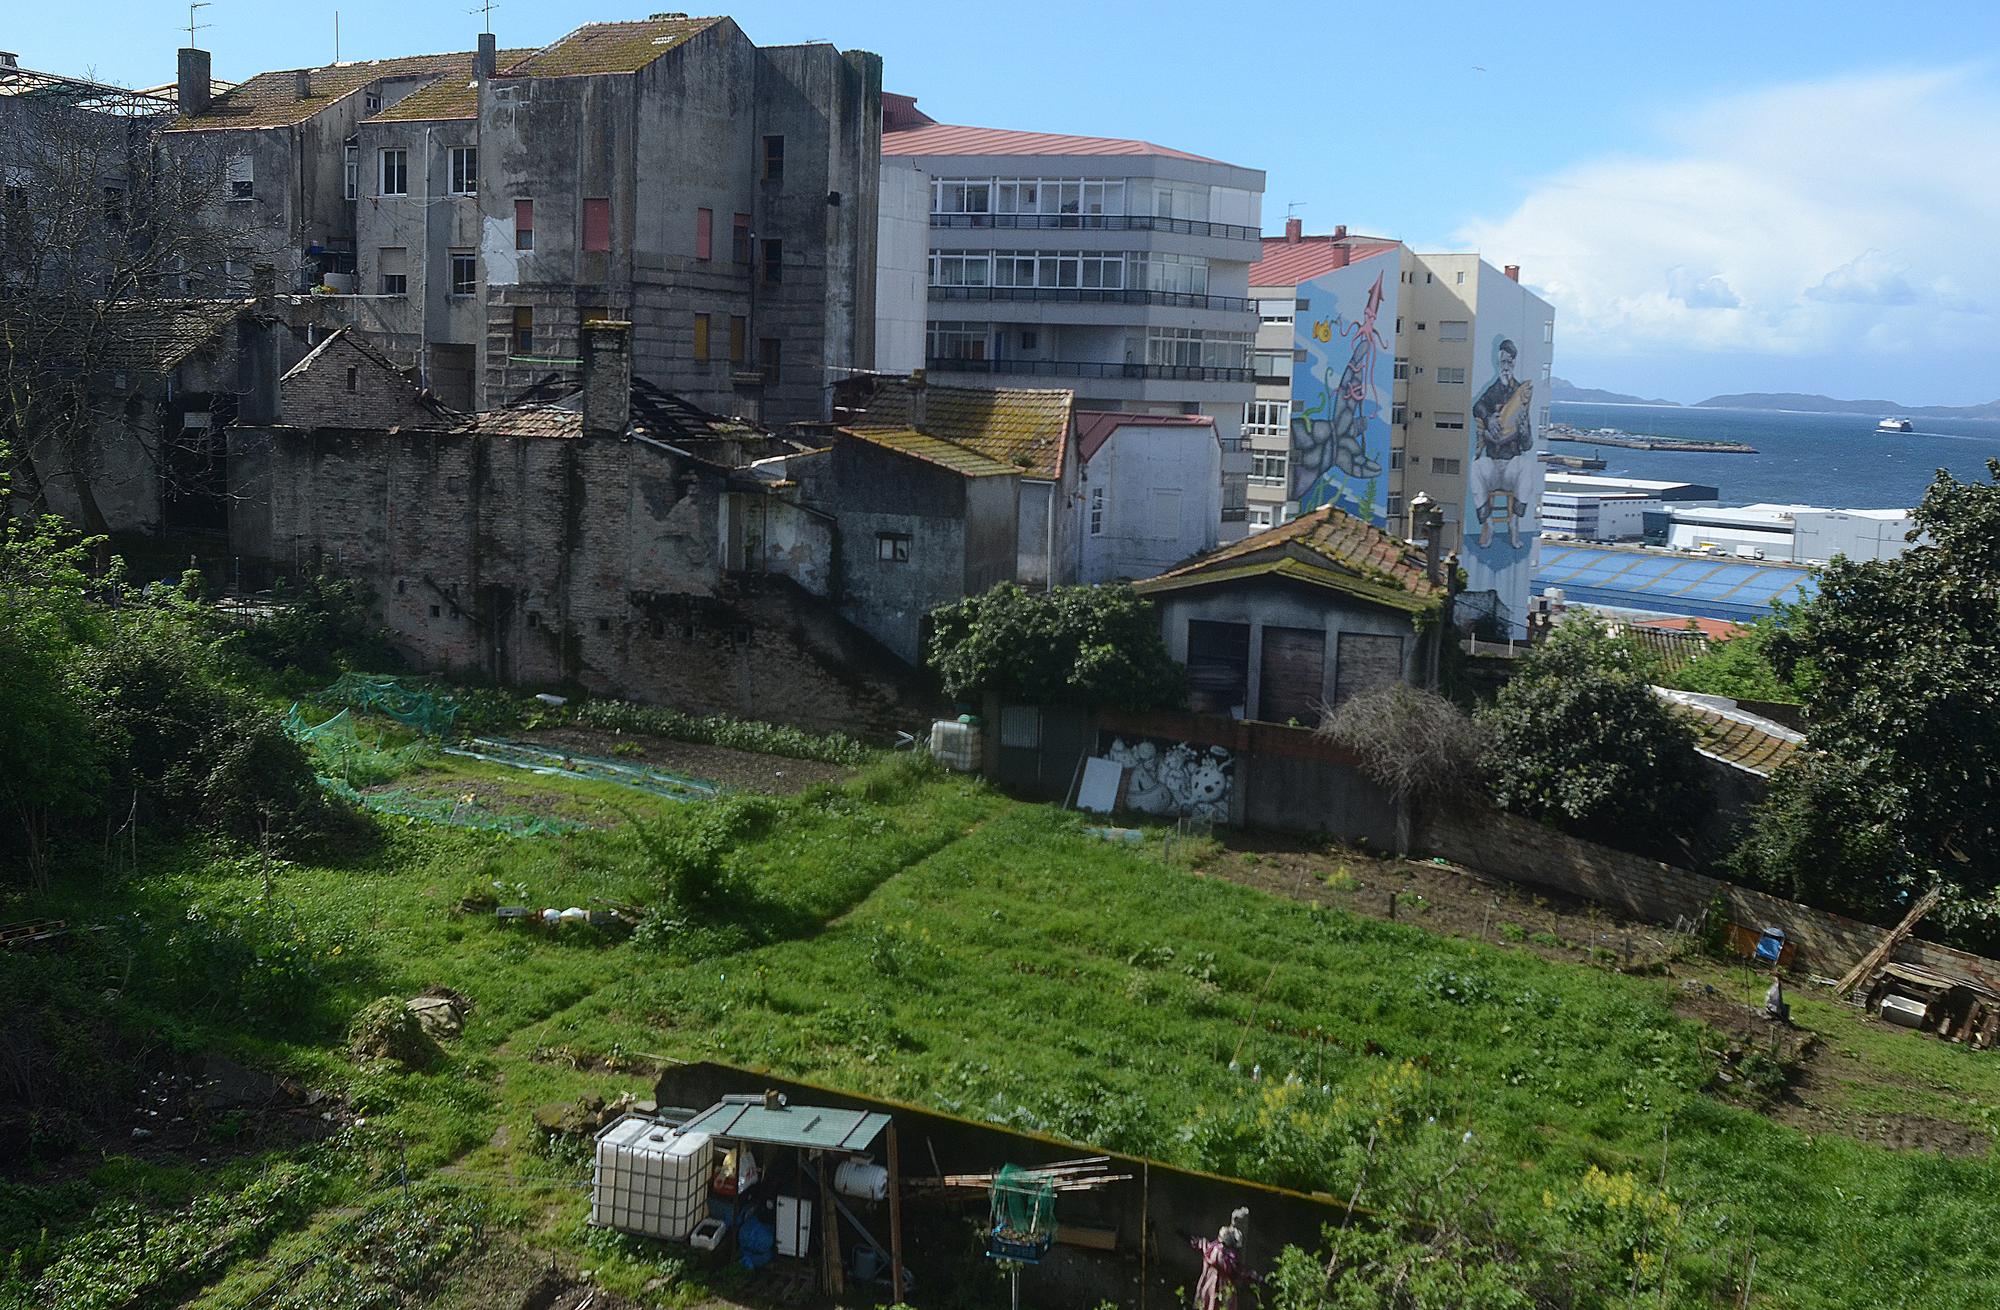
x,y
1063,1176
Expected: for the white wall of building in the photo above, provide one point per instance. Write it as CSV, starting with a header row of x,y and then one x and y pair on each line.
x,y
1152,497
902,267
1857,534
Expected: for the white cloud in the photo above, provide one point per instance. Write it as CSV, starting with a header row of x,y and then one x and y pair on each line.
x,y
1800,221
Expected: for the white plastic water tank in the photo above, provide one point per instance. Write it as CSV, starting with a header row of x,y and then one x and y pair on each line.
x,y
861,1179
649,1179
1905,1011
955,745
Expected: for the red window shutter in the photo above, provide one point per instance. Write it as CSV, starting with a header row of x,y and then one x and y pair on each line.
x,y
524,225
596,225
704,232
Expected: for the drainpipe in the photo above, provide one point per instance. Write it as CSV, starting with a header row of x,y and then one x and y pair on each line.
x,y
1049,538
424,305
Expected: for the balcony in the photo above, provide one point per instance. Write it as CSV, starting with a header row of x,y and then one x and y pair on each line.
x,y
1099,223
1052,368
1095,296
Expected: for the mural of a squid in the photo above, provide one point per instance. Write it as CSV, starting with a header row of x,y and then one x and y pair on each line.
x,y
1331,460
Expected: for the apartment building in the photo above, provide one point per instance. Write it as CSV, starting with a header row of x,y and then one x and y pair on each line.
x,y
471,211
1117,269
1384,373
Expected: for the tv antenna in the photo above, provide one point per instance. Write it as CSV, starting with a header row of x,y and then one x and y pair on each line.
x,y
193,26
485,9
1296,204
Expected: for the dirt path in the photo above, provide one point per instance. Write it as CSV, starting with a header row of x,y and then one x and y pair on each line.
x,y
775,775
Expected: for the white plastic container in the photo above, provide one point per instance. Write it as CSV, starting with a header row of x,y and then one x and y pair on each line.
x,y
794,1225
650,1179
955,745
861,1179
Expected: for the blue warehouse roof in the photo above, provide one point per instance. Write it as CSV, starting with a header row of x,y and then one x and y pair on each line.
x,y
1625,577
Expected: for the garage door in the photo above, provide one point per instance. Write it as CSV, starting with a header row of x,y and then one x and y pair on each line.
x,y
1293,676
1366,663
1218,665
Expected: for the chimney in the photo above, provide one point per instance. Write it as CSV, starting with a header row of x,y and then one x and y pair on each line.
x,y
1427,523
607,378
191,88
257,369
264,286
1295,230
484,62
302,84
1340,256
7,59
1513,271
1340,231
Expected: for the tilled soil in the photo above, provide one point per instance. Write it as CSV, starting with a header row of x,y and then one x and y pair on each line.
x,y
774,775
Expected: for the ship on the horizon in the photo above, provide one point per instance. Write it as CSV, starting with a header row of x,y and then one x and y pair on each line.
x,y
1895,425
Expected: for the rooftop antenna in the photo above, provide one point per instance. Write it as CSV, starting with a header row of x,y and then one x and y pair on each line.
x,y
1296,204
193,26
336,36
485,9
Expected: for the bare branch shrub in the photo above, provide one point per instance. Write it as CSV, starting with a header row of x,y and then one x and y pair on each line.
x,y
1414,744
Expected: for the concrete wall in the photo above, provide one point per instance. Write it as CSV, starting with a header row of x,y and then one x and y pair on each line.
x,y
429,225
1163,500
902,269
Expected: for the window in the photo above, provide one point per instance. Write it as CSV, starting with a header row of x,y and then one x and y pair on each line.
x,y
350,170
1030,341
1267,470
1449,419
1459,278
892,547
704,233
1394,510
1097,511
354,384
114,206
949,340
1395,459
1402,370
1399,414
604,625
701,338
1193,347
1549,332
1451,376
436,611
464,273
465,170
739,238
371,100
1260,516
1448,467
242,180
1274,311
1187,274
1275,366
524,331
774,159
774,260
394,173
392,265
596,226
524,225
1452,329
768,355
534,619
739,330
1267,418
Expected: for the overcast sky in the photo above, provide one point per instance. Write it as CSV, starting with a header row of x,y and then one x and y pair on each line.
x,y
1730,197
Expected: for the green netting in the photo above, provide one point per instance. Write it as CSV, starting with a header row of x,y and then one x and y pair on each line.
x,y
427,712
1023,1214
562,764
456,813
339,750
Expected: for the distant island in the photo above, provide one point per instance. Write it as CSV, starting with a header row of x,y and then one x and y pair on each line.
x,y
1828,405
1562,389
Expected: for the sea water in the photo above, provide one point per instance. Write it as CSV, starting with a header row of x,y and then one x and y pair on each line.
x,y
1833,460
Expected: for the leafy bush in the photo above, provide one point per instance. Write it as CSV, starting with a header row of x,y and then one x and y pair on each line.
x,y
261,960
317,624
1739,668
1065,646
717,730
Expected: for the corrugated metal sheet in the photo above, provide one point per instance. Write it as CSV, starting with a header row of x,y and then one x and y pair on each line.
x,y
814,1127
1626,577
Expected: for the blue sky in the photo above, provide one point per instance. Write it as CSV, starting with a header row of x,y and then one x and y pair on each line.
x,y
1723,197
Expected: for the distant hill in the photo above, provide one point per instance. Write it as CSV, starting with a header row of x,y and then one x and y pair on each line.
x,y
1561,389
1828,405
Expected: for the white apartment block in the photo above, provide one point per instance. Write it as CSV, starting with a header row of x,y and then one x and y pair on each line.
x,y
1383,373
1117,269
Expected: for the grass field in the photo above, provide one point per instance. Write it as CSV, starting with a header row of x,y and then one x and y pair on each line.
x,y
924,938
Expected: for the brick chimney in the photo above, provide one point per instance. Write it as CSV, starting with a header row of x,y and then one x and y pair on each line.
x,y
191,87
302,84
1339,256
1513,271
1295,230
1340,231
489,54
919,388
607,378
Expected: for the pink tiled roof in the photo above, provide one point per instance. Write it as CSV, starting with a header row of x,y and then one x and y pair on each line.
x,y
1094,427
945,139
1288,263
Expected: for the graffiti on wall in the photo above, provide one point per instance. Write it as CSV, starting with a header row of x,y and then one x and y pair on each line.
x,y
1178,780
1342,382
1503,487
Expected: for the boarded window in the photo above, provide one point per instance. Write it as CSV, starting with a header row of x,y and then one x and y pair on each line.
x,y
596,226
524,331
1292,675
704,233
1366,662
242,178
774,159
701,338
774,260
767,355
739,328
1218,665
739,238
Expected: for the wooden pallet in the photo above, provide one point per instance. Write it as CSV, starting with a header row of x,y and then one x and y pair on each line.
x,y
30,932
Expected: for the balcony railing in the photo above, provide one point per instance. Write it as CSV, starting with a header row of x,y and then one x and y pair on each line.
x,y
1053,368
1100,223
1096,296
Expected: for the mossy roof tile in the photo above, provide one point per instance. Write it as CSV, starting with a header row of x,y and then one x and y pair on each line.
x,y
610,47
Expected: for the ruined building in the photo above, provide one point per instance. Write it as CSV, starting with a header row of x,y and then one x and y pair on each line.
x,y
472,211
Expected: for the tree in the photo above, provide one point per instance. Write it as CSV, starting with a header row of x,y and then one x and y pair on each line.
x,y
1414,744
1065,646
1578,738
1739,668
98,221
1902,784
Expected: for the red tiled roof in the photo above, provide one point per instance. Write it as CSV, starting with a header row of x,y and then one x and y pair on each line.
x,y
1732,735
1288,263
1094,427
1713,629
945,139
900,112
1325,548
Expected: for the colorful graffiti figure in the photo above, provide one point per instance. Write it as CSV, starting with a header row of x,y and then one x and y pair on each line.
x,y
1338,444
1501,455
